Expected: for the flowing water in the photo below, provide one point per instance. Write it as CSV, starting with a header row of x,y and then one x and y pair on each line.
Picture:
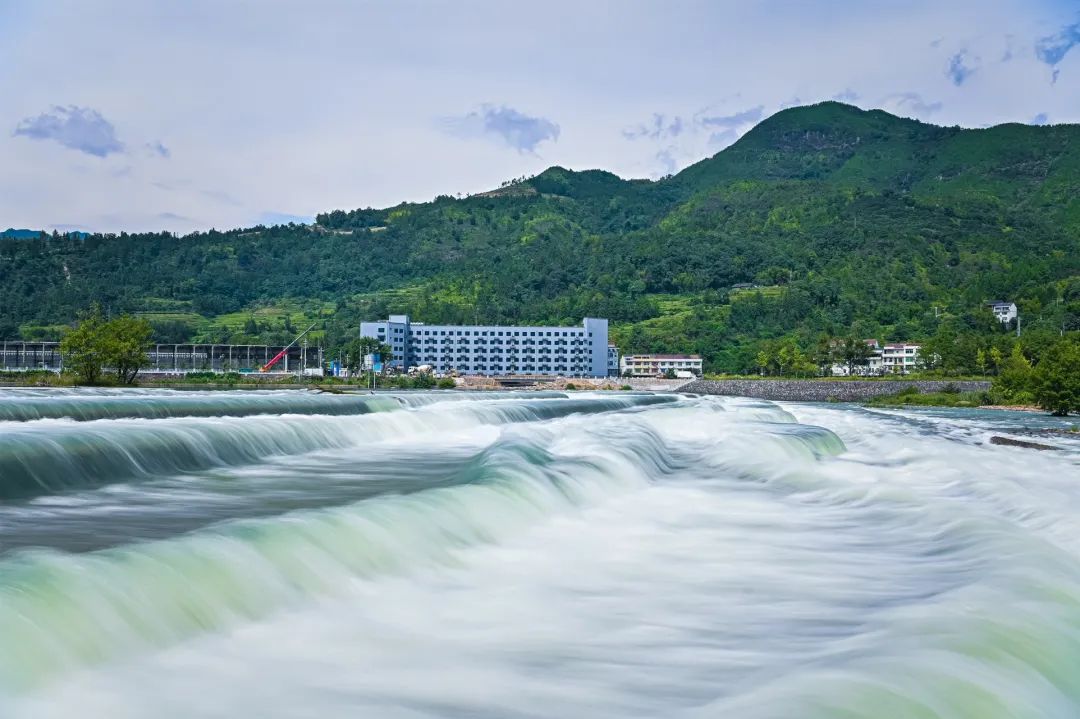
x,y
294,554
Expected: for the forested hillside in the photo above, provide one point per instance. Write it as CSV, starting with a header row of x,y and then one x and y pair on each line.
x,y
844,222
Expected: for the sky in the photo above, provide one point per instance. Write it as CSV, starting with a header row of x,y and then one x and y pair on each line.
x,y
139,115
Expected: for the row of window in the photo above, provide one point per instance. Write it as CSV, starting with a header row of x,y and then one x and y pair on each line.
x,y
497,355
486,333
663,364
432,359
495,341
526,369
525,347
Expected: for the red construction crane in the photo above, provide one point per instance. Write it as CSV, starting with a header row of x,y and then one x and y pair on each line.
x,y
266,367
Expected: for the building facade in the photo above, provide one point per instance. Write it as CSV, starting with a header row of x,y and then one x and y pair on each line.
x,y
657,365
1005,312
899,358
612,361
495,350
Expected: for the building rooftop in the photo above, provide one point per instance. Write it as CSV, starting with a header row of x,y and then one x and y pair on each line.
x,y
664,356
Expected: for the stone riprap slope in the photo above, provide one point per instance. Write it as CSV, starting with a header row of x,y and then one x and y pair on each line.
x,y
820,390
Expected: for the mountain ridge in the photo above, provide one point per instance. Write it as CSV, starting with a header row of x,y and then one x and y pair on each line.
x,y
859,222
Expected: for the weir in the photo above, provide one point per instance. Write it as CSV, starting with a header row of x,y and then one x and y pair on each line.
x,y
681,556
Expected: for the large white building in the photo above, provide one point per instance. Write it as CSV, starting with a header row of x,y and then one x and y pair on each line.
x,y
657,365
495,350
900,358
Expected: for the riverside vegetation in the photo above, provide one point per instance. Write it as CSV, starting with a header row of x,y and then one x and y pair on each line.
x,y
1053,384
822,223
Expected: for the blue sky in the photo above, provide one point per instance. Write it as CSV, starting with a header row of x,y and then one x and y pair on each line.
x,y
144,115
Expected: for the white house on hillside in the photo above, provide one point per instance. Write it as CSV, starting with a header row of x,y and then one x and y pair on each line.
x,y
1004,311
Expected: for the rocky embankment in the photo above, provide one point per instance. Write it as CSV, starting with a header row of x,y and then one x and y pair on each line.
x,y
820,390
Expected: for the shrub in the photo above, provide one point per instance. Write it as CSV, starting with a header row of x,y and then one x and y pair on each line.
x,y
1056,380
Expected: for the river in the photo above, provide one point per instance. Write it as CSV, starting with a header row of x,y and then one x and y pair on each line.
x,y
525,555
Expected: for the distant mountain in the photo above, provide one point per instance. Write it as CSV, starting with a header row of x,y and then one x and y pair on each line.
x,y
849,222
13,234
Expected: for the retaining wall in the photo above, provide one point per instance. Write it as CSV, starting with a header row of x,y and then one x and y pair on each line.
x,y
810,390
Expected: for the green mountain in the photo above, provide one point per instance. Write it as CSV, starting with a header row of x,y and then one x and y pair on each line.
x,y
844,222
13,234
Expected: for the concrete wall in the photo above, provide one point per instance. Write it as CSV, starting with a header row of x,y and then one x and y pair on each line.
x,y
810,390
651,384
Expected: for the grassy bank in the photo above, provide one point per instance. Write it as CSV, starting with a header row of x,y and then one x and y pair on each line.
x,y
913,397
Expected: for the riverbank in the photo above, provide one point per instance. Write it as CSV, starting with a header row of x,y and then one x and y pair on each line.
x,y
251,381
825,390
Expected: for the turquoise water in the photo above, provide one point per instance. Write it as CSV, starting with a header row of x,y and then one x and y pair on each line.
x,y
290,554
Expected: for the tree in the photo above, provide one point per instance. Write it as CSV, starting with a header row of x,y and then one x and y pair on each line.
x,y
120,343
980,361
353,359
824,355
359,348
996,358
1014,378
125,343
762,360
1056,380
856,354
783,358
82,347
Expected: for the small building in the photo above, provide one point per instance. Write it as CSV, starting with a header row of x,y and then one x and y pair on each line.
x,y
1005,312
659,365
899,358
612,361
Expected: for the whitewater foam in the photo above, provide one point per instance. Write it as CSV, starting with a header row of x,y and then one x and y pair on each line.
x,y
594,555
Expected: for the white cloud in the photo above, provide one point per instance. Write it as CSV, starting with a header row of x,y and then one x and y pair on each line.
x,y
504,124
304,107
911,104
76,128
